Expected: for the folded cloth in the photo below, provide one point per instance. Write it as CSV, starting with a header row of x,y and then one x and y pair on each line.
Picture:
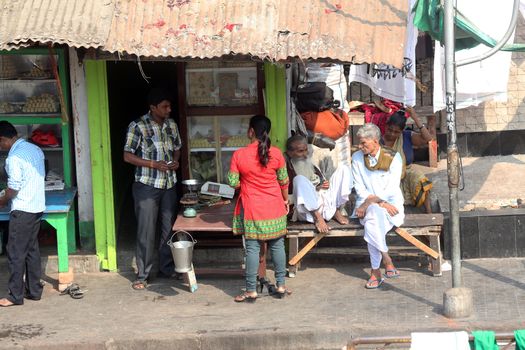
x,y
440,341
485,340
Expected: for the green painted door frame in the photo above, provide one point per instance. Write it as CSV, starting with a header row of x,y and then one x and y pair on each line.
x,y
100,144
275,92
101,165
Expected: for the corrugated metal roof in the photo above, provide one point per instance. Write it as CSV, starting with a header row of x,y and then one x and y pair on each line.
x,y
347,30
78,23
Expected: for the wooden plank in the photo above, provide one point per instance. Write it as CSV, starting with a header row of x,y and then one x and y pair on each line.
x,y
423,231
411,220
417,243
306,248
190,278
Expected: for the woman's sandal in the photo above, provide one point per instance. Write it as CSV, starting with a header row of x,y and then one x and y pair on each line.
x,y
139,285
245,297
391,272
374,283
281,294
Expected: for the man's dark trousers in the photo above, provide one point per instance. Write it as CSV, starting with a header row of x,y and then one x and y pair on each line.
x,y
23,255
154,206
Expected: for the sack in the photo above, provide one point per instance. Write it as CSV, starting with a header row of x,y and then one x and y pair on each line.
x,y
314,97
331,123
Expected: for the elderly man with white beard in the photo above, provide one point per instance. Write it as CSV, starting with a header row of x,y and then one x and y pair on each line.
x,y
315,198
377,173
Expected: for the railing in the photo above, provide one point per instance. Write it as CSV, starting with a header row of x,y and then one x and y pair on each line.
x,y
384,342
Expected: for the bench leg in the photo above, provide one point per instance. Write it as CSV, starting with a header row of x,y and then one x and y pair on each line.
x,y
436,263
293,249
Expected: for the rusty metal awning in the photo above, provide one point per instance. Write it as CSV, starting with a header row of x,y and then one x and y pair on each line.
x,y
344,30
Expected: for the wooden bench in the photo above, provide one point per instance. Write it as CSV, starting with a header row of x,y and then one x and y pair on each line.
x,y
60,215
428,225
219,219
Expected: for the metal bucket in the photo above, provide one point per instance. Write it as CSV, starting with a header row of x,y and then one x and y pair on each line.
x,y
182,251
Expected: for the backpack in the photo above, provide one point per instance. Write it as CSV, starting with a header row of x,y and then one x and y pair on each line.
x,y
314,97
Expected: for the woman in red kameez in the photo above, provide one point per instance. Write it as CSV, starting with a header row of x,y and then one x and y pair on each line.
x,y
259,170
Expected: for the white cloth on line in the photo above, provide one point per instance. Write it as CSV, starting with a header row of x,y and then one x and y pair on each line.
x,y
480,81
307,199
440,341
384,80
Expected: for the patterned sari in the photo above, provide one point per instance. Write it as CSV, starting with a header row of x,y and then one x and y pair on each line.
x,y
415,185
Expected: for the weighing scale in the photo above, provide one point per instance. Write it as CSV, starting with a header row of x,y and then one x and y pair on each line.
x,y
190,199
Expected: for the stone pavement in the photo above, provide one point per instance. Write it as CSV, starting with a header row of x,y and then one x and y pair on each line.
x,y
328,307
489,182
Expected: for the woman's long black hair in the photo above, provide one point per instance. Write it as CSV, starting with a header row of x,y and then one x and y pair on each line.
x,y
261,125
398,119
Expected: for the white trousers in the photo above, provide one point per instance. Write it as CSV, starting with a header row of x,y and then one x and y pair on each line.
x,y
307,199
376,225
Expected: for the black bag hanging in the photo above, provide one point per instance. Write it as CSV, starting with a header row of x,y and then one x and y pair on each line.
x,y
314,97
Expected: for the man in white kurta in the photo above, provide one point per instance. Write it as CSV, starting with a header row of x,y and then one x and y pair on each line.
x,y
377,173
316,199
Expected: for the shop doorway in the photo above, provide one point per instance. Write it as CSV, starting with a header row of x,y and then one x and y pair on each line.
x,y
127,97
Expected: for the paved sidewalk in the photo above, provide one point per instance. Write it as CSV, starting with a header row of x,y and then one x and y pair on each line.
x,y
328,307
489,182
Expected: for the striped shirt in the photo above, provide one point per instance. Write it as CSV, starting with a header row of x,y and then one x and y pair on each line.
x,y
152,141
25,173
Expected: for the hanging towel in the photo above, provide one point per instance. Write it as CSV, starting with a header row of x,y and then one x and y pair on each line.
x,y
385,80
440,341
519,335
481,81
485,340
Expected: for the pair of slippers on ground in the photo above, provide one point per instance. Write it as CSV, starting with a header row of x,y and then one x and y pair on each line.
x,y
374,283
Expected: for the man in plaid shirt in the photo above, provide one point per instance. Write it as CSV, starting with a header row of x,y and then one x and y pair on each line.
x,y
153,145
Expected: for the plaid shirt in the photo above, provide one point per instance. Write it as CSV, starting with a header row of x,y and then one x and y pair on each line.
x,y
149,140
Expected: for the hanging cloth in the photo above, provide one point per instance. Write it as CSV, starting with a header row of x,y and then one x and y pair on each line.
x,y
485,340
519,335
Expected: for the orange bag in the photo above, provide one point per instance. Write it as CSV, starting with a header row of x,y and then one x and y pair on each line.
x,y
331,123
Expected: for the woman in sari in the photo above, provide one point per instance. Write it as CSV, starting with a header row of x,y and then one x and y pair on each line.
x,y
259,171
415,185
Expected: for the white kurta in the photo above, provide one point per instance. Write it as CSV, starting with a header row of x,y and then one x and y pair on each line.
x,y
384,184
307,199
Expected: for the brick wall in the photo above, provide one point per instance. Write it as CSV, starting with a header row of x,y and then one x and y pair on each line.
x,y
498,116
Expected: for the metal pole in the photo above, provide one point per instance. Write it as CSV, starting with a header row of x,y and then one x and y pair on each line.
x,y
452,148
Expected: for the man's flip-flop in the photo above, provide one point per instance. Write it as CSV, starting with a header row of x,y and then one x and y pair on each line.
x,y
139,285
391,273
374,283
4,302
74,291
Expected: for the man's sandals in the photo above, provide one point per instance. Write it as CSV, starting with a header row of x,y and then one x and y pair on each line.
x,y
391,271
74,291
374,283
139,285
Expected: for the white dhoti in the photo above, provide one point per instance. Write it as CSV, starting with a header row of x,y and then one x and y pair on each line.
x,y
308,200
377,224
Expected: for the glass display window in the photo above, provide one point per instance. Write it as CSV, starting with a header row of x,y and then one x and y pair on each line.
x,y
212,141
216,84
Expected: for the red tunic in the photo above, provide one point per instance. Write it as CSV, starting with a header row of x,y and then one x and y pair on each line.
x,y
260,212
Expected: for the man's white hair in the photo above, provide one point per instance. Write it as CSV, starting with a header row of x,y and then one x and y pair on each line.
x,y
369,131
